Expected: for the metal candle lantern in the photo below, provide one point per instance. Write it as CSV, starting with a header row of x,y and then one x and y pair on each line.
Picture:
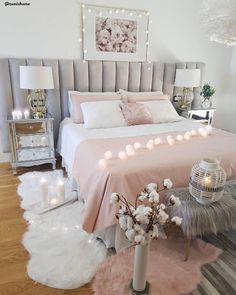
x,y
207,181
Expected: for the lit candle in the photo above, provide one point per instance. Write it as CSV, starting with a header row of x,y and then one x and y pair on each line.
x,y
207,181
53,202
122,155
44,192
179,137
137,146
157,141
61,191
102,163
108,155
14,115
26,114
19,115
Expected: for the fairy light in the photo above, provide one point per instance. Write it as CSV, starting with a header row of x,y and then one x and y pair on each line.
x,y
117,11
102,163
108,155
131,13
147,43
158,141
80,40
85,51
179,137
89,10
110,11
137,146
100,14
140,15
122,155
65,228
84,61
83,30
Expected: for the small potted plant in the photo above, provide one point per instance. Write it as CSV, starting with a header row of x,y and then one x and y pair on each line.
x,y
207,92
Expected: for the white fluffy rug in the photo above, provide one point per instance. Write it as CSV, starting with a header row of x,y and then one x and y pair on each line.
x,y
62,255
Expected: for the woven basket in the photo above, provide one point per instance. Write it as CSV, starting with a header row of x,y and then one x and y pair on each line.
x,y
207,181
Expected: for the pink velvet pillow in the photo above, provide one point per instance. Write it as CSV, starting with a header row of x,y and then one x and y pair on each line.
x,y
135,98
77,98
136,113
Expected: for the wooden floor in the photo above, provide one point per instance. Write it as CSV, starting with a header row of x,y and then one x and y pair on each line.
x,y
219,278
13,257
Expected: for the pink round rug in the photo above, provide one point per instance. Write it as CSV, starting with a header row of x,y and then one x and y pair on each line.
x,y
168,273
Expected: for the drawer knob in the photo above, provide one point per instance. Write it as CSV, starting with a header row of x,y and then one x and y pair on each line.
x,y
30,127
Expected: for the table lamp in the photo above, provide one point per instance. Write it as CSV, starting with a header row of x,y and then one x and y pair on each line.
x,y
187,79
36,78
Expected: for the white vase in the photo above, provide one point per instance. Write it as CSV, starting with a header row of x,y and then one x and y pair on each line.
x,y
139,284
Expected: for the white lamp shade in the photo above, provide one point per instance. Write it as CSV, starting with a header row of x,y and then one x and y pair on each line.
x,y
187,78
36,77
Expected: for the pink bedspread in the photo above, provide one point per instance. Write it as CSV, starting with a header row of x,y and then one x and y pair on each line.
x,y
129,177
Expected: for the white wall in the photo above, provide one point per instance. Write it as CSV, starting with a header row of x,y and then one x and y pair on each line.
x,y
51,28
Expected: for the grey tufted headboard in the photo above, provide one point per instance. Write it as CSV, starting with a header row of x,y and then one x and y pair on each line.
x,y
90,76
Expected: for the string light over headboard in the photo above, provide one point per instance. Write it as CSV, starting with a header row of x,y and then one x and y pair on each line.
x,y
141,17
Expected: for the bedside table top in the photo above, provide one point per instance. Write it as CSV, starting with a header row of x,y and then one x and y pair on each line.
x,y
30,120
196,109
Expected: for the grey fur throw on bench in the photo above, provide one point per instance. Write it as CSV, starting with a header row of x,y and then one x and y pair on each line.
x,y
201,219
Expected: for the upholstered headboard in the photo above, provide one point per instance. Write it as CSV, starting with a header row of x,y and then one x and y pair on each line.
x,y
89,76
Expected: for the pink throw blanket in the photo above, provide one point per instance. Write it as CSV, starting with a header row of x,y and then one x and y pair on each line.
x,y
129,176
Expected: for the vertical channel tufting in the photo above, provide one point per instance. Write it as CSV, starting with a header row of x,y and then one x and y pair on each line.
x,y
81,75
66,80
6,102
169,79
34,62
122,75
146,76
109,76
158,76
95,76
19,95
53,96
134,76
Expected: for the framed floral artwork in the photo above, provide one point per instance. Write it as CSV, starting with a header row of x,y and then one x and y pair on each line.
x,y
114,33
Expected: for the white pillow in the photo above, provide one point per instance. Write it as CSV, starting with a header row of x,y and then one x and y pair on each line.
x,y
162,111
82,94
102,114
125,93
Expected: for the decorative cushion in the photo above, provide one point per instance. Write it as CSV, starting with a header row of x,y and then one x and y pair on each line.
x,y
76,98
129,96
162,111
136,114
102,114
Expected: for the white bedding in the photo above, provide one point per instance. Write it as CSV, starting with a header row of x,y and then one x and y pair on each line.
x,y
71,135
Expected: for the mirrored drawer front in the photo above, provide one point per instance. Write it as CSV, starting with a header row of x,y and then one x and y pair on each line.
x,y
36,140
30,128
33,154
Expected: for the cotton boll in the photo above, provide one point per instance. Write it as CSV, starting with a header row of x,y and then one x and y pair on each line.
x,y
130,234
114,198
167,183
154,197
122,222
151,186
138,239
130,222
177,220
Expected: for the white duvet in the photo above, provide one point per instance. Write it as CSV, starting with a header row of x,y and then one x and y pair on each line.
x,y
71,135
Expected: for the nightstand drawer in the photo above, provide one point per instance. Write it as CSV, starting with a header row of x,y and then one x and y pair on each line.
x,y
33,154
29,128
36,140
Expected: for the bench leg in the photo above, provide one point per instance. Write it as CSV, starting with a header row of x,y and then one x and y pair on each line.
x,y
188,240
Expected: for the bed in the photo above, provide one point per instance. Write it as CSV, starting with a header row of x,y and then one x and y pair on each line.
x,y
82,149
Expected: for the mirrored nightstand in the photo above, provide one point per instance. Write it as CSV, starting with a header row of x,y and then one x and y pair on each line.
x,y
31,142
199,114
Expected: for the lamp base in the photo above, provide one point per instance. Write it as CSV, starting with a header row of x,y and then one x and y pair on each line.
x,y
38,103
134,292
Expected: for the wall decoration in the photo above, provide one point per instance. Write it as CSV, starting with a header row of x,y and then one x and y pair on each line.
x,y
114,33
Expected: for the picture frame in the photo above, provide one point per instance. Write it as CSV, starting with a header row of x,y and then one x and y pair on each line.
x,y
116,34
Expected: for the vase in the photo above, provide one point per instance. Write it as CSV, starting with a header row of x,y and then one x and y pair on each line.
x,y
206,103
139,284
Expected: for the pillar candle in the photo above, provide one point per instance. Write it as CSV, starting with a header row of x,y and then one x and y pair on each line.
x,y
14,115
61,191
19,115
44,192
26,114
